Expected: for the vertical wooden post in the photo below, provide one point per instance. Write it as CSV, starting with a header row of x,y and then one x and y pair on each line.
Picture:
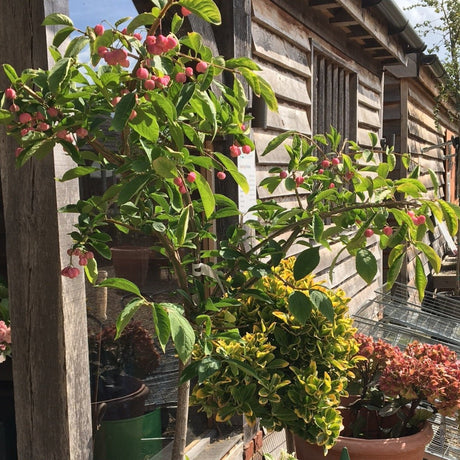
x,y
50,363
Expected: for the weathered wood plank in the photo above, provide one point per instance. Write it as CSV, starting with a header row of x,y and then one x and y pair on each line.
x,y
278,156
279,51
289,117
280,22
369,117
48,313
286,85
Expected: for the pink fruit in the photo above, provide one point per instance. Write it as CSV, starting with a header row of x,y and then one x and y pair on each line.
x,y
243,127
387,230
14,108
320,171
299,180
235,151
332,185
335,161
246,149
18,151
171,43
325,164
133,115
163,81
10,93
89,255
99,29
116,100
191,177
180,77
189,71
142,73
138,36
52,112
73,272
42,126
81,132
24,131
178,181
221,175
368,232
183,189
420,220
283,174
83,261
25,118
149,85
201,67
185,11
101,51
411,213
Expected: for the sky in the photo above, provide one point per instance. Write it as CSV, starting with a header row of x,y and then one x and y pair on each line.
x,y
90,12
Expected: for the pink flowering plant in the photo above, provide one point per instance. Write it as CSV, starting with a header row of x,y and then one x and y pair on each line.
x,y
401,389
5,329
156,109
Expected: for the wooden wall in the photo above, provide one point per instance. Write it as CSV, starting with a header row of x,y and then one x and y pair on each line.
x,y
409,119
287,49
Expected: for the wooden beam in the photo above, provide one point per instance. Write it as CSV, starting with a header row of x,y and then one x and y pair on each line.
x,y
379,30
48,314
342,18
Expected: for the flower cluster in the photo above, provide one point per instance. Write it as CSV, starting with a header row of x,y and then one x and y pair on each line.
x,y
414,383
5,341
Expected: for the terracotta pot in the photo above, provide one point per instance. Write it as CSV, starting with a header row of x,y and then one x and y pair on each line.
x,y
132,263
407,447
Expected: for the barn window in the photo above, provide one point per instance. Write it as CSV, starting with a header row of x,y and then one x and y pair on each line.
x,y
334,96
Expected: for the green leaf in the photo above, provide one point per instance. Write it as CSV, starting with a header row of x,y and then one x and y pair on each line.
x,y
132,188
344,455
323,303
374,139
127,313
164,167
306,262
318,228
182,226
10,73
204,106
145,126
300,306
205,9
207,196
421,279
394,269
240,179
450,217
123,111
75,46
5,116
366,265
241,62
434,180
181,333
57,19
58,74
79,171
62,35
391,160
161,324
185,95
430,253
277,141
120,283
38,150
144,19
91,270
206,367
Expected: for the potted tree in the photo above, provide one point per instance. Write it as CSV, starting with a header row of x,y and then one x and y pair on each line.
x,y
166,111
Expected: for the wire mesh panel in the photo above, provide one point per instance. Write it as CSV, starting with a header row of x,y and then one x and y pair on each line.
x,y
398,317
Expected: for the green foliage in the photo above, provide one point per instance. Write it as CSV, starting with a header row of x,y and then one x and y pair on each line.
x,y
156,138
300,357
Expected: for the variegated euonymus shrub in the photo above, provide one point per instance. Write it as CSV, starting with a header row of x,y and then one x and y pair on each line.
x,y
152,125
291,365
